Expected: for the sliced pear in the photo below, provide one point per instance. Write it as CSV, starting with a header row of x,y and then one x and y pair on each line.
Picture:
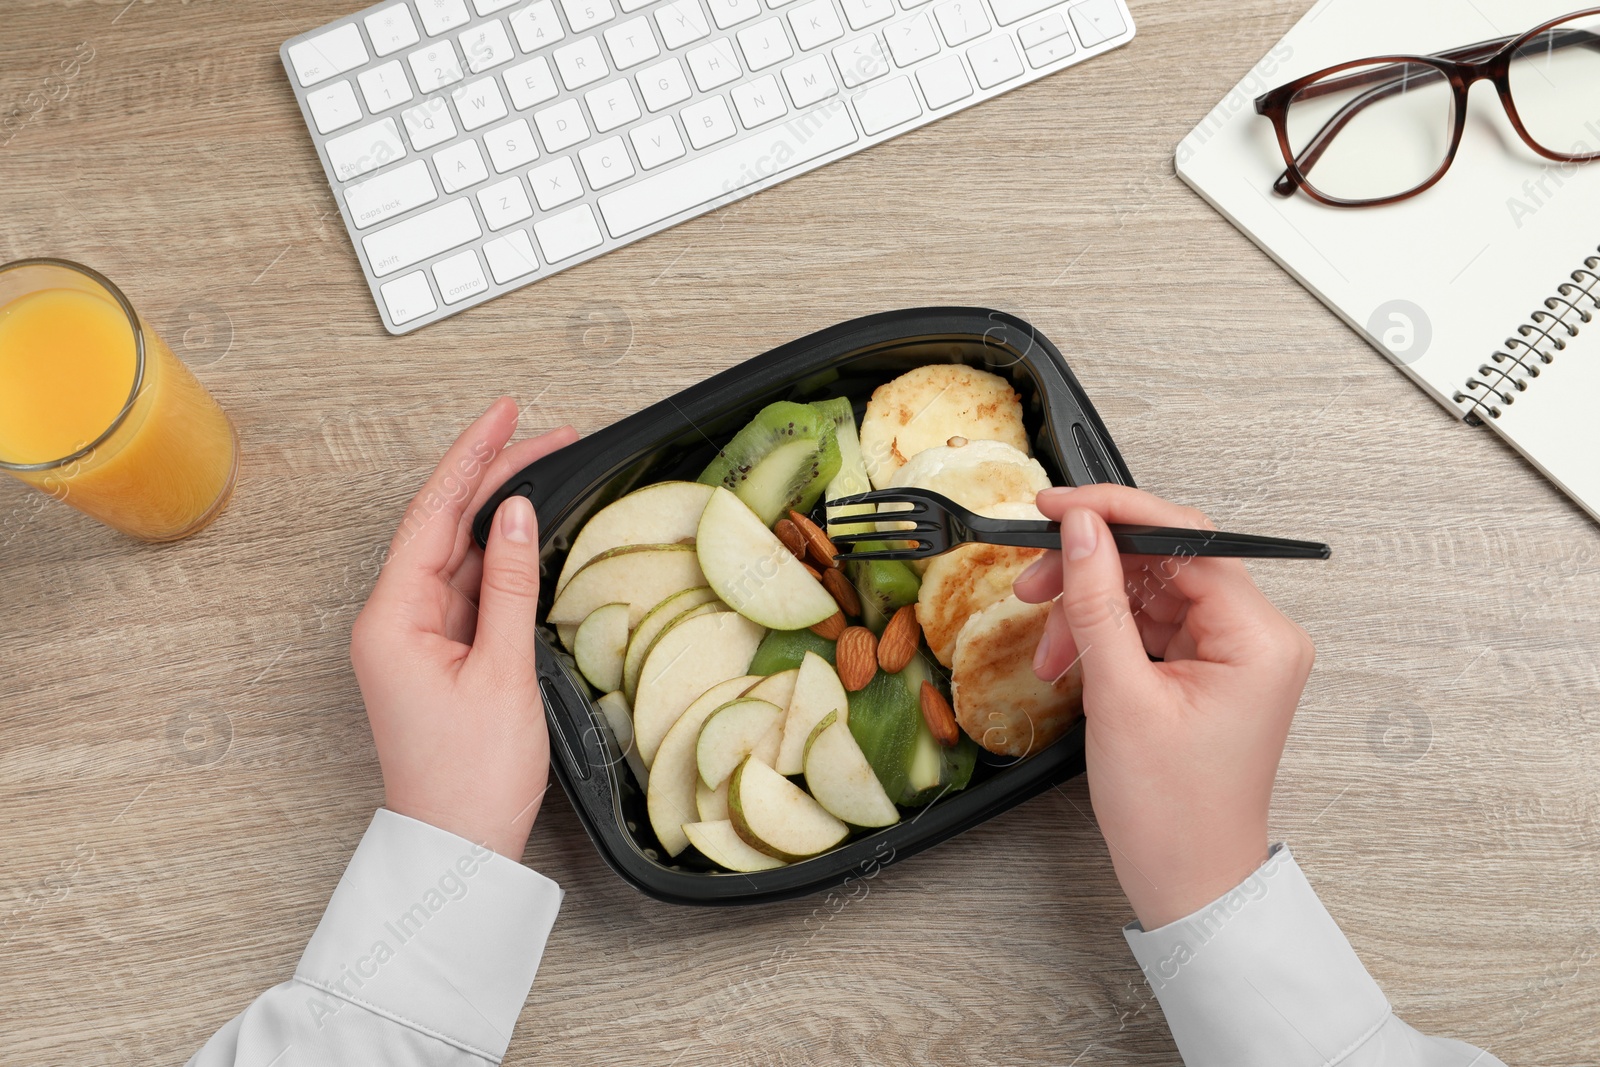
x,y
778,688
599,645
733,732
614,706
631,686
840,778
657,619
711,803
775,816
673,776
640,576
688,659
751,570
817,691
568,634
719,843
658,514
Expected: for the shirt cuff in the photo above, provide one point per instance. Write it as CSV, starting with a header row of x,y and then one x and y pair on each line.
x,y
431,931
1262,976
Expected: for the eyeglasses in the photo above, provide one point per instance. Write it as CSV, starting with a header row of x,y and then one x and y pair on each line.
x,y
1378,130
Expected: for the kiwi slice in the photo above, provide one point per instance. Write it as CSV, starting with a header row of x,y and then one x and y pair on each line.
x,y
782,650
782,459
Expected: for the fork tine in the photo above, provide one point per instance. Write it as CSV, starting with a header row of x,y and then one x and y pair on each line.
x,y
918,506
893,553
873,535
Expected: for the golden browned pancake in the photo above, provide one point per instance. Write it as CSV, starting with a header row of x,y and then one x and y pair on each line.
x,y
928,406
999,701
961,583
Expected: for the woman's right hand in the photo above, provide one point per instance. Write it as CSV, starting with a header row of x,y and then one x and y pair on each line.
x,y
1183,750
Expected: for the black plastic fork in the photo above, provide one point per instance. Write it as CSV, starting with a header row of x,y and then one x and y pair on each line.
x,y
940,524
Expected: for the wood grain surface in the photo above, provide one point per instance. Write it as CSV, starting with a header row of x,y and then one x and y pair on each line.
x,y
185,766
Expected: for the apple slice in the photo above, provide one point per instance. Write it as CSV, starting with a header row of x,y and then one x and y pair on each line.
x,y
615,708
719,843
686,661
673,776
658,514
840,778
733,732
657,619
568,635
751,570
599,645
711,803
775,816
817,691
640,576
778,688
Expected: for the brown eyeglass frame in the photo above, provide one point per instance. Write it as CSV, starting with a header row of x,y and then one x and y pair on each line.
x,y
1463,67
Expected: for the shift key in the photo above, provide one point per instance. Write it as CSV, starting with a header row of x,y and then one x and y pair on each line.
x,y
421,237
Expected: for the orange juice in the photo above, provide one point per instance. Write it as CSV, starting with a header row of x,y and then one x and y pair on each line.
x,y
160,467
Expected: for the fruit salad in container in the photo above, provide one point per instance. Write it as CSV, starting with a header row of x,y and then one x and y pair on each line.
x,y
773,701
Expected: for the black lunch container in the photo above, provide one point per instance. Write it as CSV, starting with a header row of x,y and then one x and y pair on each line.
x,y
675,439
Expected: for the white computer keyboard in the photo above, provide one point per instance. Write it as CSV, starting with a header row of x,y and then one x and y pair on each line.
x,y
473,151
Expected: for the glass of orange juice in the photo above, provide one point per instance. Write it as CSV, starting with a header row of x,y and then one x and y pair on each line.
x,y
96,411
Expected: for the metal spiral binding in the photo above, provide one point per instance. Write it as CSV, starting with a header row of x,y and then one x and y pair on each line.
x,y
1546,333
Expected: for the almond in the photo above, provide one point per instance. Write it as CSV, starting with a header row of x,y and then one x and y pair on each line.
x,y
830,628
812,571
817,543
856,657
844,594
937,714
899,641
792,538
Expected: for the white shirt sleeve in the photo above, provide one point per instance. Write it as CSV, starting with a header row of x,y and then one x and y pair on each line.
x,y
423,957
1263,977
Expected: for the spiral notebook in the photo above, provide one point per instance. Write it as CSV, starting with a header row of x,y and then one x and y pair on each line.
x,y
1485,289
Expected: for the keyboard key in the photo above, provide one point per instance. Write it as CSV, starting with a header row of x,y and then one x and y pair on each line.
x,y
884,106
486,46
633,5
1042,55
441,15
759,101
565,235
510,256
1097,21
727,13
1008,11
656,142
1046,29
815,23
659,196
365,148
809,81
561,126
631,42
479,103
435,66
943,82
383,196
489,7
708,122
910,4
459,277
863,13
334,107
860,60
580,63
385,87
429,123
328,54
530,83
911,40
391,29
408,298
583,14
714,64
537,25
421,237
555,183
459,166
764,44
511,145
503,203
682,21
606,162
611,105
961,21
663,85
994,61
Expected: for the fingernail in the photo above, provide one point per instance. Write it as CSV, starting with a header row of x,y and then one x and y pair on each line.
x,y
1041,653
1055,492
516,520
1036,568
1079,534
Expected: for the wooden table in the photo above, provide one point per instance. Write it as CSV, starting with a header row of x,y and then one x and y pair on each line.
x,y
185,765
